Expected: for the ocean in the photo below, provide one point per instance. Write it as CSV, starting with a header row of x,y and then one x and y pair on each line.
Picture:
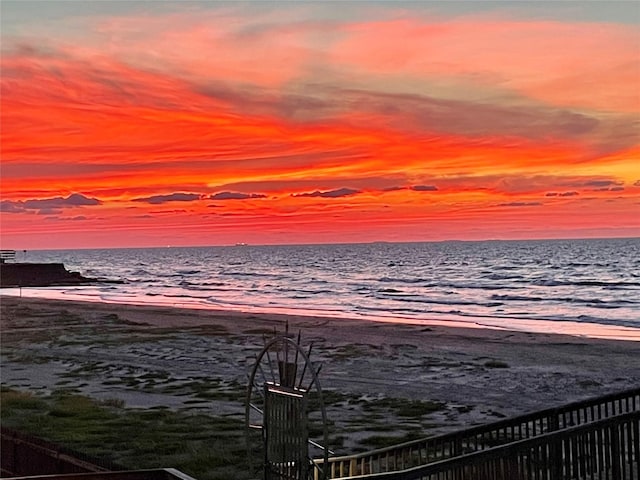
x,y
555,286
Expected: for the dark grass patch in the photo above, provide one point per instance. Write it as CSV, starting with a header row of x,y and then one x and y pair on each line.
x,y
589,383
496,364
371,426
88,369
418,408
208,389
345,352
381,441
204,446
259,331
403,407
210,330
29,358
464,408
14,400
329,398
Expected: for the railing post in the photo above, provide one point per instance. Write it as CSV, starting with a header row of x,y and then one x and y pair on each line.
x,y
457,446
559,457
15,464
555,448
616,458
556,459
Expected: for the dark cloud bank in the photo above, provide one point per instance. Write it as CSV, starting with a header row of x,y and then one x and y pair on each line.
x,y
48,205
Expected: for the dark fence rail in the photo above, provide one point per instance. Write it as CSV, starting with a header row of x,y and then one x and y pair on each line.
x,y
434,449
607,449
156,474
25,455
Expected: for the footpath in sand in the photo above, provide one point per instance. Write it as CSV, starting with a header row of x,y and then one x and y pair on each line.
x,y
198,360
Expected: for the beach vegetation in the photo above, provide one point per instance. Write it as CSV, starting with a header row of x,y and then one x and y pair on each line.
x,y
418,408
117,320
403,407
370,417
330,397
374,425
464,408
381,441
496,364
587,383
25,357
113,402
88,369
17,400
206,447
259,331
351,350
207,389
62,383
208,330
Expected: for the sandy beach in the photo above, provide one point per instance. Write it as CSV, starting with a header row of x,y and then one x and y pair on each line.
x,y
198,360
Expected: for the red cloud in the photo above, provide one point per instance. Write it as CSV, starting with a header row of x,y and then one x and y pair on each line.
x,y
494,111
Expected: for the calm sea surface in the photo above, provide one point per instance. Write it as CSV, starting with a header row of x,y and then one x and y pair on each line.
x,y
576,286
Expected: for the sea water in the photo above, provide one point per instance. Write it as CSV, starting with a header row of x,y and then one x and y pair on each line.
x,y
570,286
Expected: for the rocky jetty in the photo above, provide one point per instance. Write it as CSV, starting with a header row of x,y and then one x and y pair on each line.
x,y
39,275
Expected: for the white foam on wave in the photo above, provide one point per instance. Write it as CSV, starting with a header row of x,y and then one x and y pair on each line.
x,y
579,329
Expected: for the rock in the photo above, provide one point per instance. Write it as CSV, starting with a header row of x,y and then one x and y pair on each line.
x,y
39,275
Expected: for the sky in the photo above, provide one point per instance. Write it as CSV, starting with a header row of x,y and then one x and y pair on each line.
x,y
136,124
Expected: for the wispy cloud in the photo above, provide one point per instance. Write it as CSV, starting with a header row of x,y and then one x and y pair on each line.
x,y
235,196
424,188
562,194
601,183
48,204
520,204
172,197
609,189
341,192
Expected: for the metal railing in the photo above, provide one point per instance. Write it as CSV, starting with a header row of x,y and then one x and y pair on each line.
x,y
433,449
7,255
607,449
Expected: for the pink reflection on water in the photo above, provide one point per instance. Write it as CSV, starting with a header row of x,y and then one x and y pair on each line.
x,y
578,329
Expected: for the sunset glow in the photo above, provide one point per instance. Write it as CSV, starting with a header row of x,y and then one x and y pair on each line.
x,y
207,123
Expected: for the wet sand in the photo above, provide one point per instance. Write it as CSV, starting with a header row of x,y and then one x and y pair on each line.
x,y
149,357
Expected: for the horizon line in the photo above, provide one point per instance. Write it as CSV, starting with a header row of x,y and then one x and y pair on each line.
x,y
373,242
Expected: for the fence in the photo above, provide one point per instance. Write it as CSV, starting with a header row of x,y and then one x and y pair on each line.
x,y
24,455
607,449
7,255
434,449
155,474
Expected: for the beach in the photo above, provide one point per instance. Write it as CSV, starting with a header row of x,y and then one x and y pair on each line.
x,y
198,360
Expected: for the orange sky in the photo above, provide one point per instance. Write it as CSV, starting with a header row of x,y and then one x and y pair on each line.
x,y
211,123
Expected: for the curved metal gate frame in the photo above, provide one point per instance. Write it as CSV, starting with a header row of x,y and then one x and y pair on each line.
x,y
284,395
